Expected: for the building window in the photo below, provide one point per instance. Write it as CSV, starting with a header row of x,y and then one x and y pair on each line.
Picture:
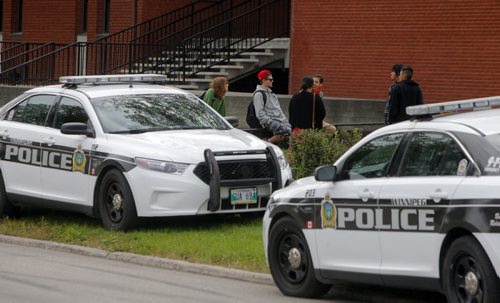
x,y
17,16
1,16
107,5
84,9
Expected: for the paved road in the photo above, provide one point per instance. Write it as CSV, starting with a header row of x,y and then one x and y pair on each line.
x,y
31,274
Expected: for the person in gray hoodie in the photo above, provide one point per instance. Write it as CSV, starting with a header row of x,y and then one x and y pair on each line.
x,y
269,113
406,93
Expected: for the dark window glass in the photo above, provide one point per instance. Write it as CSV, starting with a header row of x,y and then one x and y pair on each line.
x,y
84,16
433,154
32,111
144,113
107,6
372,160
69,110
1,15
17,16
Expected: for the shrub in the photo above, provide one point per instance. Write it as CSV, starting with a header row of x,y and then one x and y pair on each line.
x,y
313,148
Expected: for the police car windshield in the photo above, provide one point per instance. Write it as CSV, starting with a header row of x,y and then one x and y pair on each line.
x,y
154,112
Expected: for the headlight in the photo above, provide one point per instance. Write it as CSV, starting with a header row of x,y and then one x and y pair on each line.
x,y
163,166
282,160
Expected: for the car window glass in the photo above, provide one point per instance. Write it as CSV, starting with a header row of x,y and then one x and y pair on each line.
x,y
154,112
16,113
372,160
432,154
69,110
32,111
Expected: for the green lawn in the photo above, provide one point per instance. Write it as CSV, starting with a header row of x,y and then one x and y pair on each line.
x,y
229,241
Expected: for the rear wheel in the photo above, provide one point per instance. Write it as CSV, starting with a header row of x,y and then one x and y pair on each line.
x,y
116,203
290,261
468,274
6,208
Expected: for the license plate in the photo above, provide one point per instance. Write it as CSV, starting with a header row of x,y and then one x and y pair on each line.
x,y
243,195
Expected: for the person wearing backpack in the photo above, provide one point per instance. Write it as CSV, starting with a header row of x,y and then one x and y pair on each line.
x,y
214,96
268,110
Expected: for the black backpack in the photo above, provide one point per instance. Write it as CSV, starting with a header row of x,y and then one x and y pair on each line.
x,y
252,119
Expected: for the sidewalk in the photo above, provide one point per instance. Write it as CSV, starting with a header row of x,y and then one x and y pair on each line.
x,y
183,266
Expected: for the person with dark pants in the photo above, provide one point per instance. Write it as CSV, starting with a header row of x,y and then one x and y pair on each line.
x,y
395,72
406,93
306,109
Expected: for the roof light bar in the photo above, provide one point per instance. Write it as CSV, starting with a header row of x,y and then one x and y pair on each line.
x,y
453,106
113,79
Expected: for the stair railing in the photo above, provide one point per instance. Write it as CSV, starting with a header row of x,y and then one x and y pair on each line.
x,y
220,43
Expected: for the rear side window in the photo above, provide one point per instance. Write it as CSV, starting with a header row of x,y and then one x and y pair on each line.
x,y
33,110
433,154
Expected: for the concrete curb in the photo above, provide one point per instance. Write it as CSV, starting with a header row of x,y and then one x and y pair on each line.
x,y
209,270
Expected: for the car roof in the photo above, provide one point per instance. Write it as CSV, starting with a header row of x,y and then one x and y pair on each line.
x,y
111,89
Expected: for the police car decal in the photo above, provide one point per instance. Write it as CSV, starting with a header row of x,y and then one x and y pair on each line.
x,y
393,215
58,157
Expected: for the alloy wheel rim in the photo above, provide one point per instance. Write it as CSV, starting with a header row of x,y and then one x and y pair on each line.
x,y
114,203
467,280
292,259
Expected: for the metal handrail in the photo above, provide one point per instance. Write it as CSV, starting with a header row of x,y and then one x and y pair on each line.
x,y
233,39
104,57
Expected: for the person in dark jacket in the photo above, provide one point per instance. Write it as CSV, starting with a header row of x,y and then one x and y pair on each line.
x,y
406,93
300,109
395,78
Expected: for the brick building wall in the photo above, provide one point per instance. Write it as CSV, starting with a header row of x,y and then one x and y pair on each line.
x,y
60,20
43,21
453,46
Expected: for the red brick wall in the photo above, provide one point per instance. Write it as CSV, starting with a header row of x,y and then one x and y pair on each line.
x,y
453,46
59,20
43,21
149,9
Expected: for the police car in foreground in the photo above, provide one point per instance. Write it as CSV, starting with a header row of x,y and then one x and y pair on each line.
x,y
118,148
415,204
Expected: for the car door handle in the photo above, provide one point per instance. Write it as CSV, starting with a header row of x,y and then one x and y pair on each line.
x,y
5,134
49,141
437,195
366,194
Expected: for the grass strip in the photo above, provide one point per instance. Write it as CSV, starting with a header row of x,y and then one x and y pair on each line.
x,y
233,241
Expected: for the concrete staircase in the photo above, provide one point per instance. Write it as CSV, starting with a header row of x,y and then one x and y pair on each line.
x,y
276,50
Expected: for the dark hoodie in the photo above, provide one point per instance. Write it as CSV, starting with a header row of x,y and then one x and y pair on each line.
x,y
406,93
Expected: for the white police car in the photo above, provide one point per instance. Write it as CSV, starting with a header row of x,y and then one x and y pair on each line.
x,y
414,205
119,148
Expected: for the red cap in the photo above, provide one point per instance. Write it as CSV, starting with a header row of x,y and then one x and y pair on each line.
x,y
263,74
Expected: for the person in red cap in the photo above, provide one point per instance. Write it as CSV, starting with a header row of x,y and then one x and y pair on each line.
x,y
268,111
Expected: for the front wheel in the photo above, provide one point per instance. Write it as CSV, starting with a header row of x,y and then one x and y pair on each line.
x,y
468,275
6,208
290,261
116,203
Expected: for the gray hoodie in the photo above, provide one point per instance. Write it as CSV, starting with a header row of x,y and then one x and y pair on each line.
x,y
272,109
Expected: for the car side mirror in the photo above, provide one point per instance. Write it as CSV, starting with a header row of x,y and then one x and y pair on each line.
x,y
325,173
77,128
232,120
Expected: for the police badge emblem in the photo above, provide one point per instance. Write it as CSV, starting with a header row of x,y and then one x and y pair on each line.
x,y
328,213
79,159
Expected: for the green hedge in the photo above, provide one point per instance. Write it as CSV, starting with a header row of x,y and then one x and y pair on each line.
x,y
313,148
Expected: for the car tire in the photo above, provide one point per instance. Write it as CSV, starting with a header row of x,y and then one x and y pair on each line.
x,y
6,208
116,203
468,275
290,261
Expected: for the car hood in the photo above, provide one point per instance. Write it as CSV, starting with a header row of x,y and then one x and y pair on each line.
x,y
187,146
